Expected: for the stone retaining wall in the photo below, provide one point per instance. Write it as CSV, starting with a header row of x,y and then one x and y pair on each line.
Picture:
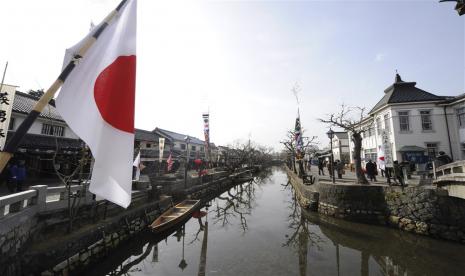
x,y
426,211
423,210
352,202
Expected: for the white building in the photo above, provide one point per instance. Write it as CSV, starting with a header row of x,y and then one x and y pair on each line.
x,y
416,124
341,146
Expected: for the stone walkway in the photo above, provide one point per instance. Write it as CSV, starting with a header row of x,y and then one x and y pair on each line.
x,y
349,178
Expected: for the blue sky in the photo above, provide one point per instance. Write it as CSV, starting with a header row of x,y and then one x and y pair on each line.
x,y
239,59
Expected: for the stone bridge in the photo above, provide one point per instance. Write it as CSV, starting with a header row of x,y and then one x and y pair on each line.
x,y
451,177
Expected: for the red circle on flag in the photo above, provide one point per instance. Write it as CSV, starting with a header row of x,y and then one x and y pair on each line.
x,y
114,93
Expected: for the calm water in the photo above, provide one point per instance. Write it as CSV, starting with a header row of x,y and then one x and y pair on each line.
x,y
258,229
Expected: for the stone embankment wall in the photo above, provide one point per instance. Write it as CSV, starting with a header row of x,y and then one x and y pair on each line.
x,y
423,210
307,195
91,246
356,203
33,230
426,211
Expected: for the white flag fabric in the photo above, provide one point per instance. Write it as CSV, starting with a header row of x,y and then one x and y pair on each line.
x,y
137,165
161,148
97,102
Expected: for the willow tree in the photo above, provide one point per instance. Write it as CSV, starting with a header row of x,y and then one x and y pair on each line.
x,y
355,121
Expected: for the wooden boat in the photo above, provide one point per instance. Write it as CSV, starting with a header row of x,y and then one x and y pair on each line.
x,y
174,215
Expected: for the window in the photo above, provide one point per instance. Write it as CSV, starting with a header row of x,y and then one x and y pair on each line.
x,y
371,131
201,149
404,121
53,130
426,122
12,124
378,125
193,148
370,154
461,116
432,149
183,146
387,125
148,145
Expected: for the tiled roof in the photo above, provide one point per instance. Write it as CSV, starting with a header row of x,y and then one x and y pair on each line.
x,y
145,135
46,142
405,92
179,136
24,103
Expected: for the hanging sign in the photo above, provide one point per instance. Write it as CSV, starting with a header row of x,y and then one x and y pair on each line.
x,y
7,95
388,162
161,148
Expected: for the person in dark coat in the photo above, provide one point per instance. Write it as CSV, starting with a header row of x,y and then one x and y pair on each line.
x,y
340,168
5,178
398,173
20,176
443,158
321,165
12,182
371,170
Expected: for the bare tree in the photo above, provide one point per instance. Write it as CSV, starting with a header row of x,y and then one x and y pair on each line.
x,y
355,121
246,153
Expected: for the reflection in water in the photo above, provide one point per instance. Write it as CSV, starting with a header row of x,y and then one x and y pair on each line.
x,y
258,228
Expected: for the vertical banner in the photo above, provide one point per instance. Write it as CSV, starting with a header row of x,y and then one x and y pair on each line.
x,y
387,150
7,95
161,148
206,132
299,144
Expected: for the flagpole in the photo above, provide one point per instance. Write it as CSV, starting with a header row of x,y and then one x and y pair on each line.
x,y
12,145
3,78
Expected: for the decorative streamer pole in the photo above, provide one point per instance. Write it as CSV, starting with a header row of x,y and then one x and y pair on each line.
x,y
13,143
298,133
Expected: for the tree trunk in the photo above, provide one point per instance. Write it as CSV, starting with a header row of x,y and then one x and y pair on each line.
x,y
301,169
293,165
357,139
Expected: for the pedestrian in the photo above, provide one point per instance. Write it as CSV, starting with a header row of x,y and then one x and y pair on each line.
x,y
321,165
443,159
340,169
371,170
5,178
20,176
398,173
12,182
330,168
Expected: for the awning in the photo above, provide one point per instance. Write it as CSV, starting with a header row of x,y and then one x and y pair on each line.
x,y
412,148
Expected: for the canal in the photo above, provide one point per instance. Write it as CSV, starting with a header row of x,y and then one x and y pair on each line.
x,y
257,228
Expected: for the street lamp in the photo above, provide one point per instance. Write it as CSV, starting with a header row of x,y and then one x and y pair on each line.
x,y
330,134
187,139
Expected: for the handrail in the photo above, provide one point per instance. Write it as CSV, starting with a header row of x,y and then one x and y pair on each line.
x,y
16,202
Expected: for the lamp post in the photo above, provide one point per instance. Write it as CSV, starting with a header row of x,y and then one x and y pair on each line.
x,y
330,134
187,139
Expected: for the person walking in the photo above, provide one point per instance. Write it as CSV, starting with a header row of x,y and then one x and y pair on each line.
x,y
12,182
340,169
330,167
20,176
371,170
5,177
443,159
398,173
321,165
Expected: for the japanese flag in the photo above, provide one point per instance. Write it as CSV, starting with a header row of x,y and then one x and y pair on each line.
x,y
97,102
